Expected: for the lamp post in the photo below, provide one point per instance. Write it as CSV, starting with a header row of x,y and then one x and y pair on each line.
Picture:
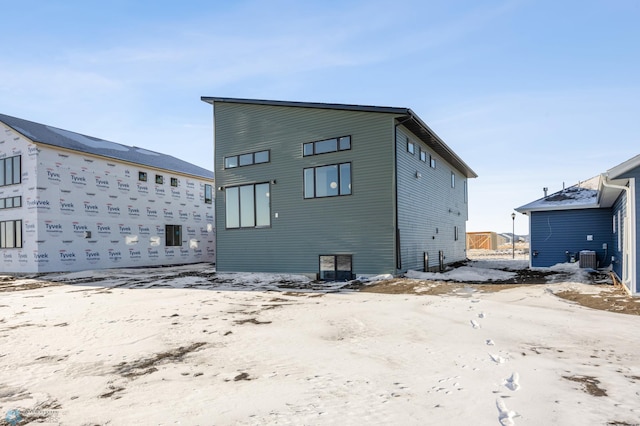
x,y
513,236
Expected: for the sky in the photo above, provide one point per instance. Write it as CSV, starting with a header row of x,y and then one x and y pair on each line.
x,y
530,94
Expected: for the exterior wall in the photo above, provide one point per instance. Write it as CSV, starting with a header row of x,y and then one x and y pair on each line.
x,y
84,212
634,176
429,209
556,233
25,258
360,224
618,214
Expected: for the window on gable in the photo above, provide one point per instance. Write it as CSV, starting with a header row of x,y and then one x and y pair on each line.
x,y
248,206
142,176
327,181
342,143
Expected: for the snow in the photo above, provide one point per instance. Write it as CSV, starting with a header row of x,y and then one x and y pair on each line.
x,y
88,141
188,345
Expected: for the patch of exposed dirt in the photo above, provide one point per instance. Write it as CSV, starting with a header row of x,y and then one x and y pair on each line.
x,y
613,300
431,288
589,384
11,285
147,365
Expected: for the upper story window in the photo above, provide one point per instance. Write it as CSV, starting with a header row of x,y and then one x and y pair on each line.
x,y
142,176
174,181
208,194
465,191
432,161
247,159
327,181
248,206
10,170
159,179
342,143
10,202
453,180
423,156
411,147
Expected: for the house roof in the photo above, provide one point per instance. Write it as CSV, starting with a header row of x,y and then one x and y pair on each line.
x,y
583,195
53,136
620,169
406,117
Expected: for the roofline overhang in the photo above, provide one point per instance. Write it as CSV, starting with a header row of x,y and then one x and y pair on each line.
x,y
406,117
622,168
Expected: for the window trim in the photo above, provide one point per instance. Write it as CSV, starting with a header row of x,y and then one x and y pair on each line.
x,y
208,189
453,180
174,180
17,234
170,230
159,180
339,183
423,155
335,266
142,176
3,202
313,145
253,159
255,206
411,147
432,161
16,173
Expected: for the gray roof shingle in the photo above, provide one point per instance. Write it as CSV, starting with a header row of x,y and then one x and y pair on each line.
x,y
61,138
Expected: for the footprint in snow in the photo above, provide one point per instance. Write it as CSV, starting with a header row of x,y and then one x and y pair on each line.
x,y
505,416
481,315
497,359
513,382
489,342
475,324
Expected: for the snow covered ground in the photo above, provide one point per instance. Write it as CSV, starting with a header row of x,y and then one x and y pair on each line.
x,y
186,345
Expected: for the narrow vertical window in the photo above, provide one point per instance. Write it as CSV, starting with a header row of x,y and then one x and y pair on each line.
x,y
455,233
208,194
453,180
465,190
411,148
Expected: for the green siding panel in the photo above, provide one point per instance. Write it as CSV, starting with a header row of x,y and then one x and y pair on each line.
x,y
361,224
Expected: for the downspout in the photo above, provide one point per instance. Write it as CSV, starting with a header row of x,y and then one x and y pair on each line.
x,y
628,269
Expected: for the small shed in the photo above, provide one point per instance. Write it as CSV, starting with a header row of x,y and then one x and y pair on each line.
x,y
482,241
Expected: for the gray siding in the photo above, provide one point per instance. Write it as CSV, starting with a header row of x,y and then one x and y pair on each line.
x,y
429,209
556,235
361,224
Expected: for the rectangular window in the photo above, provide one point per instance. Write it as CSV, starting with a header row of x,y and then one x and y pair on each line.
x,y
248,206
423,156
173,235
10,202
465,191
11,234
432,162
342,143
411,148
453,180
455,233
620,231
327,181
159,179
10,170
142,176
208,194
174,182
247,159
336,267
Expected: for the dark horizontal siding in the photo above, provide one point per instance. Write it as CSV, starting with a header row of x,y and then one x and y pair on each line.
x,y
556,233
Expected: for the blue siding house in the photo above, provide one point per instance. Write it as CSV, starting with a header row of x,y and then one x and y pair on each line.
x,y
596,216
334,191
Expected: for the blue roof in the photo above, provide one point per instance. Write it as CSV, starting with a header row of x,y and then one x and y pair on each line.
x,y
60,138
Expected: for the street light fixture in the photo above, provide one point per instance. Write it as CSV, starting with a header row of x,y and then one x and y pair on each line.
x,y
513,236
